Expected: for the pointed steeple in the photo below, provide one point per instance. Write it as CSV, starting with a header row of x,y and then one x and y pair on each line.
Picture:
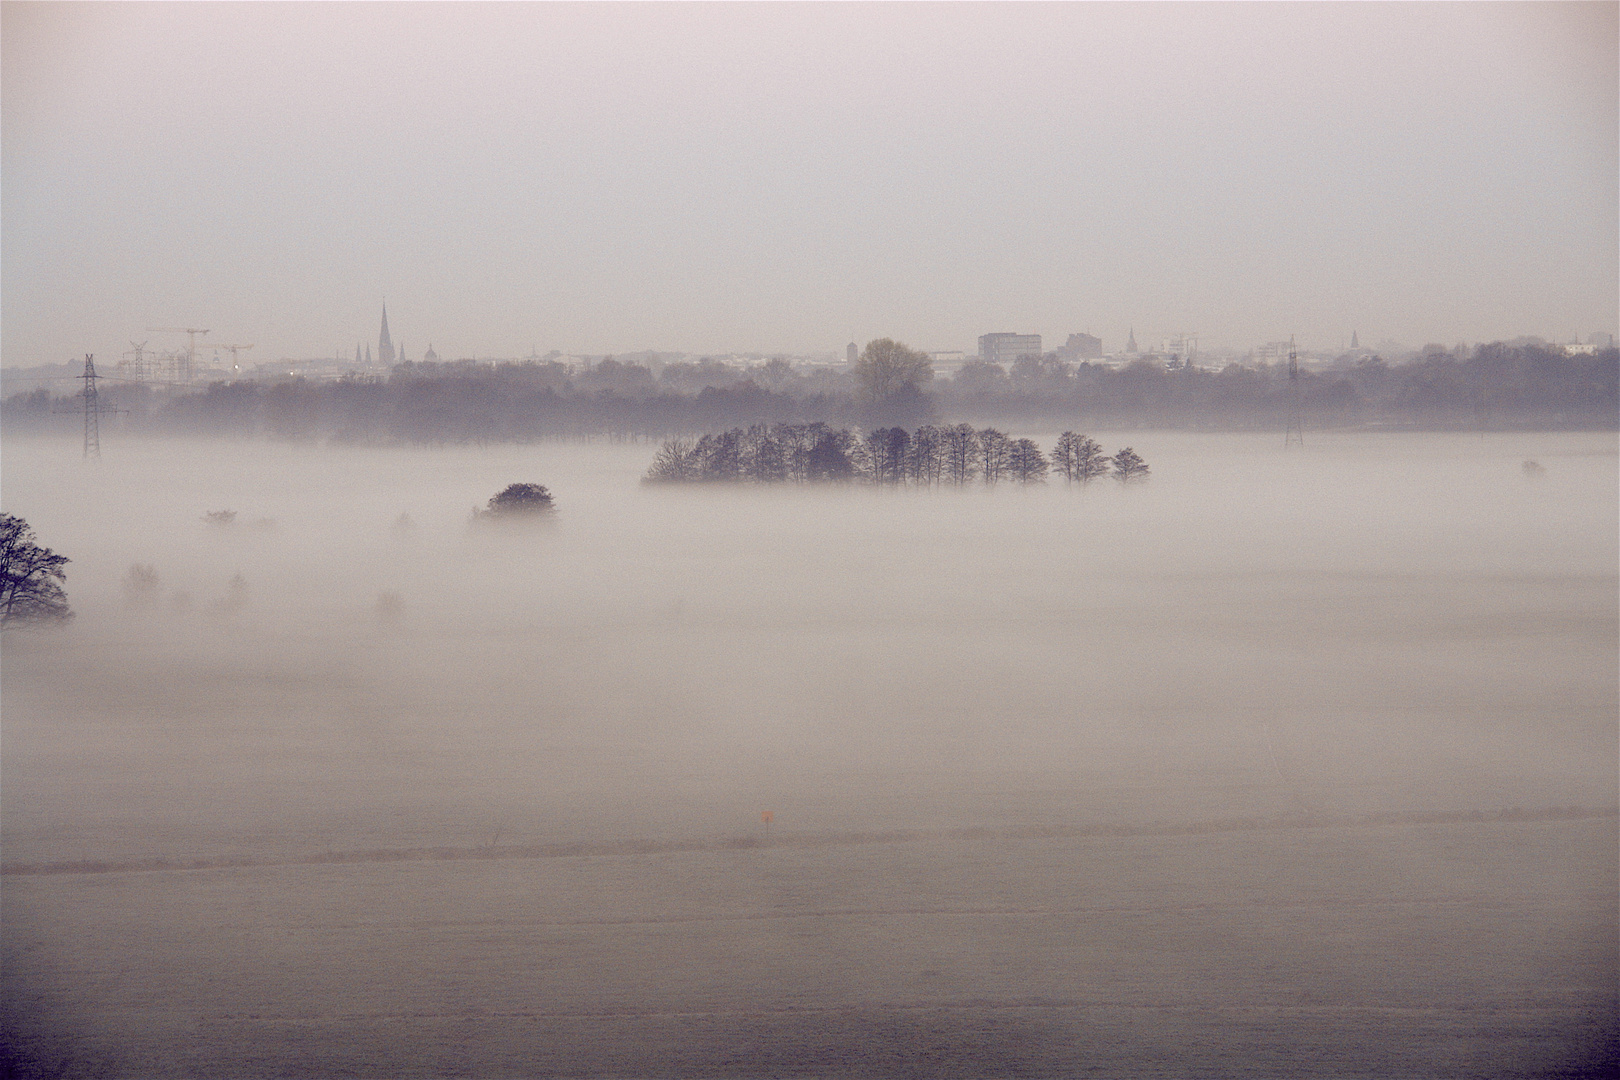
x,y
1354,344
385,344
1130,346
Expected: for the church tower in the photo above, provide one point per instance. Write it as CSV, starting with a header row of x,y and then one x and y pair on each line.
x,y
385,344
1130,346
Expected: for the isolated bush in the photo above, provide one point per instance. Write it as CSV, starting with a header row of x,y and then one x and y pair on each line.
x,y
235,598
220,517
520,501
141,585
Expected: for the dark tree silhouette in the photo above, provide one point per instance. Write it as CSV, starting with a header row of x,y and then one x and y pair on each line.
x,y
992,454
1025,461
884,455
674,462
520,500
829,458
1089,460
30,576
777,453
1129,466
1063,454
925,459
961,448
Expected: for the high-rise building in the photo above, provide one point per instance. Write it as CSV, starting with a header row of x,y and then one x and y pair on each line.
x,y
385,344
1002,348
852,353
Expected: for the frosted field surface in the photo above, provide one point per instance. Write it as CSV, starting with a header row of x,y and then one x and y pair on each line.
x,y
1278,764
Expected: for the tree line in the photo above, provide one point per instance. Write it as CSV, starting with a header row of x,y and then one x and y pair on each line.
x,y
1498,385
930,456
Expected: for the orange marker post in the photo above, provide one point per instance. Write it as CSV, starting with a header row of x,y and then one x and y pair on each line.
x,y
767,816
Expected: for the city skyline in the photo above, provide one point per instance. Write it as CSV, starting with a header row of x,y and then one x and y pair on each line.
x,y
763,179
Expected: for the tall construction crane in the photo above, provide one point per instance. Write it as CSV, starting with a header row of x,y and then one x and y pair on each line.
x,y
233,351
191,349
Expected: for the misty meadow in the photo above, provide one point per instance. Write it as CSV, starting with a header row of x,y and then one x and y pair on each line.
x,y
1307,752
884,540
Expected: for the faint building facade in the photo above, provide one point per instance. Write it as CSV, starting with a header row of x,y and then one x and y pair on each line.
x,y
1005,348
1081,347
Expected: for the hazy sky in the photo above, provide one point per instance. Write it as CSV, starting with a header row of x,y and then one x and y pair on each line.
x,y
786,178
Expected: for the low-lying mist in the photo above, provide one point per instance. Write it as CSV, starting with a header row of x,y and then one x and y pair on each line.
x,y
1280,764
1379,623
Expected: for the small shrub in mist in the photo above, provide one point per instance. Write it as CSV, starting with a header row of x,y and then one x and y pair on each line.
x,y
221,518
235,599
141,583
518,502
403,527
1533,470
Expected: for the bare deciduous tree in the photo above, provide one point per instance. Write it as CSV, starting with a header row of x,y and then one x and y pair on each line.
x,y
961,448
1025,461
992,454
30,576
1129,466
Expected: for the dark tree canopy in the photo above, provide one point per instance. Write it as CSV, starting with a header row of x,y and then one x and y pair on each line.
x,y
520,500
30,576
808,453
1129,466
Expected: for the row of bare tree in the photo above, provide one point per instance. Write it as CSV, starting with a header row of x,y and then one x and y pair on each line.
x,y
930,456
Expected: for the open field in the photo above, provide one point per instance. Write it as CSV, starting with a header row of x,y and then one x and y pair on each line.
x,y
1280,765
1437,950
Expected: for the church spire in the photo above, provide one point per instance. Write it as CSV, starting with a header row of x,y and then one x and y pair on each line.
x,y
385,344
1130,346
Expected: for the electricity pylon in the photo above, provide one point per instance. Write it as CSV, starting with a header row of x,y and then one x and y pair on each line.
x,y
1296,424
92,409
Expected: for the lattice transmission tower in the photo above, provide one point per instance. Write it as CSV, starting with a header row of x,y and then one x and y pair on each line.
x,y
93,408
1295,433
